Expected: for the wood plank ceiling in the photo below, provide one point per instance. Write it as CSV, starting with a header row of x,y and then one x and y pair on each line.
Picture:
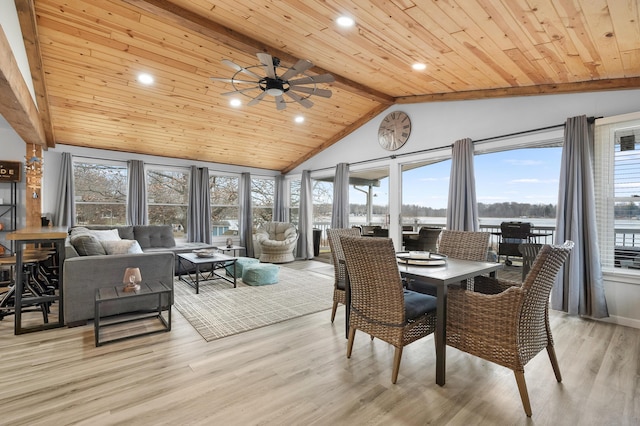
x,y
92,51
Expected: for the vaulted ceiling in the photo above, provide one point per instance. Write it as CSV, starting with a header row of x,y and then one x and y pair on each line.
x,y
85,57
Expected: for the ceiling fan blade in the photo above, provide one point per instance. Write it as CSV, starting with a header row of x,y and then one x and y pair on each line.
x,y
313,91
301,66
256,99
302,101
237,67
237,92
232,80
280,103
322,78
267,61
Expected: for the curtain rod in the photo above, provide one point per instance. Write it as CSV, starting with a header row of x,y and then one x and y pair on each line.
x,y
422,151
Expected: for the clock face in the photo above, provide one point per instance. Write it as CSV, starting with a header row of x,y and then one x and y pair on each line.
x,y
394,130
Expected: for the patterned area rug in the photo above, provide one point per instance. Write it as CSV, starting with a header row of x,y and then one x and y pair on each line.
x,y
221,310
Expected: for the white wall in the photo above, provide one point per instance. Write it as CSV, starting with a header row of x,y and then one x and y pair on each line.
x,y
11,26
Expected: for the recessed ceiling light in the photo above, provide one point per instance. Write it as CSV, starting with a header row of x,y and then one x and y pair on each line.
x,y
145,78
345,21
299,119
419,67
235,102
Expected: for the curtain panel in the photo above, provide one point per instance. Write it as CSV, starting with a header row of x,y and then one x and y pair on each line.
x,y
579,290
246,214
65,214
305,226
199,209
280,211
462,210
137,213
340,208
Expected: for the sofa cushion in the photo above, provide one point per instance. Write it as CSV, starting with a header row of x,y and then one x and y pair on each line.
x,y
154,236
121,247
86,244
106,235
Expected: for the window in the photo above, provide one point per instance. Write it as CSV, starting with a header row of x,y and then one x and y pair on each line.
x,y
425,191
168,198
294,201
100,192
225,210
262,194
369,197
617,176
322,196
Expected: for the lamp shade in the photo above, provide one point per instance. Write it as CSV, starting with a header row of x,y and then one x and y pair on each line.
x,y
131,278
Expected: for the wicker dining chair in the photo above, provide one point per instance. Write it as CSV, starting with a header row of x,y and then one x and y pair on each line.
x,y
506,322
465,245
380,306
339,269
529,251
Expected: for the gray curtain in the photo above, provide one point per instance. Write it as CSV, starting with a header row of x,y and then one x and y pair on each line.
x,y
199,209
305,226
137,195
340,210
579,289
246,214
462,211
65,213
280,211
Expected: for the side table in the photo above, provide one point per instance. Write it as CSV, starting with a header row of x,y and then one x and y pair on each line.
x,y
116,294
234,249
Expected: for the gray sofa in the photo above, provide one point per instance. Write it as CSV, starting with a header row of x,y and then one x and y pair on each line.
x,y
85,269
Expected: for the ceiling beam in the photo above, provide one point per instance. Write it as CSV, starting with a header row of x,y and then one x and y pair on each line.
x,y
543,89
28,24
17,106
233,39
337,137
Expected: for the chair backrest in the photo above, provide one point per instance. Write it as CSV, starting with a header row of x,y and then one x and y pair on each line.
x,y
529,252
537,287
465,245
374,278
278,231
337,253
428,237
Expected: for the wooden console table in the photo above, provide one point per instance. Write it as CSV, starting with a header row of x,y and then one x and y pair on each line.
x,y
37,235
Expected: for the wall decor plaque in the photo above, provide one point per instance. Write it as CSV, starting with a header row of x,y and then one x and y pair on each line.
x,y
10,171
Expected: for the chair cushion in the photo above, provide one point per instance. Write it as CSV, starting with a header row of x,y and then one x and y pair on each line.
x,y
417,304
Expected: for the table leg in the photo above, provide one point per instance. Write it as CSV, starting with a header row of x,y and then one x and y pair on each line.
x,y
197,278
441,337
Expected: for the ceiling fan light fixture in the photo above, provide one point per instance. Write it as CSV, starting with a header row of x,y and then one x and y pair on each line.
x,y
274,91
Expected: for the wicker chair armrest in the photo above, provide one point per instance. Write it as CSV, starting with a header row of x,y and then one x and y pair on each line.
x,y
489,285
492,318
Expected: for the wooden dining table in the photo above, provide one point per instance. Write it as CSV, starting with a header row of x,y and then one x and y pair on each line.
x,y
454,271
440,277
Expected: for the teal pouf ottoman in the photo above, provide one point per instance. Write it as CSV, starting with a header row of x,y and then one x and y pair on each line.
x,y
241,263
260,274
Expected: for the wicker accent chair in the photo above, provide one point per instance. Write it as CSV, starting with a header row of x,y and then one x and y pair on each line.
x,y
339,268
277,241
506,322
465,245
379,304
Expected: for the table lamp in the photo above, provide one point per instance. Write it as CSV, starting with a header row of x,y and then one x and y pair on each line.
x,y
131,278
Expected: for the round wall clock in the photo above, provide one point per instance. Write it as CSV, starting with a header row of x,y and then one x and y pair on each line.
x,y
394,130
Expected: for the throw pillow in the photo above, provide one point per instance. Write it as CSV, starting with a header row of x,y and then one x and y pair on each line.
x,y
106,235
121,247
86,245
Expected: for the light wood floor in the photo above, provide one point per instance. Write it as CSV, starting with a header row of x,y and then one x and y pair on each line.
x,y
296,373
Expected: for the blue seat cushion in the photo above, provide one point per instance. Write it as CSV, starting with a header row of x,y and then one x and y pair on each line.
x,y
417,304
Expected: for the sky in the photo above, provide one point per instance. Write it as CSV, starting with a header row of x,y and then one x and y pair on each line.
x,y
522,175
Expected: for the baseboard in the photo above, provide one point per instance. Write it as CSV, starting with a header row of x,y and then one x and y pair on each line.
x,y
628,322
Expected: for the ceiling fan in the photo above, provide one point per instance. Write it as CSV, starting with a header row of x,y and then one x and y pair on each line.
x,y
274,80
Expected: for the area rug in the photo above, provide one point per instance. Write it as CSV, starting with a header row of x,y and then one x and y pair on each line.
x,y
221,310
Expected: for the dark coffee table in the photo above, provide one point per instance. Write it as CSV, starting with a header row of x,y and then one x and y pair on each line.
x,y
216,262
